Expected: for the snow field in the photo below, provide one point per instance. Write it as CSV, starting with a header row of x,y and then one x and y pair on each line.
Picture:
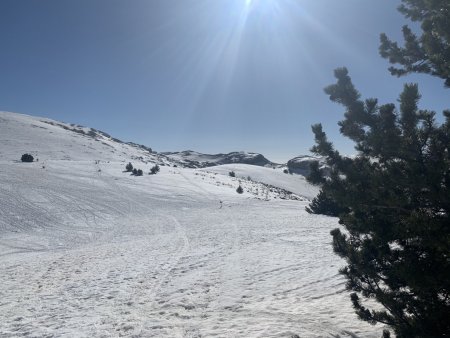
x,y
87,250
98,254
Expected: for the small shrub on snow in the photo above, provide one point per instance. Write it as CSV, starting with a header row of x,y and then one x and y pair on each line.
x,y
232,174
27,158
239,189
154,170
129,167
137,172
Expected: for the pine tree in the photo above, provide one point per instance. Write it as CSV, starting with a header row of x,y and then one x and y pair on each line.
x,y
239,190
428,53
129,167
324,205
395,200
154,170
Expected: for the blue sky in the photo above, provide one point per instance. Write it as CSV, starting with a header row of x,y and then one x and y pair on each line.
x,y
208,75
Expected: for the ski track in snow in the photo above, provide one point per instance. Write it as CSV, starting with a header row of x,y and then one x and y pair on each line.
x,y
87,250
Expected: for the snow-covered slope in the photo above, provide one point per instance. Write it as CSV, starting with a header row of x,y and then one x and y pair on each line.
x,y
274,177
86,250
193,159
47,139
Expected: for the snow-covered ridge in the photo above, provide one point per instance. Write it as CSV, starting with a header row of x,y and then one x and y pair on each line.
x,y
47,139
43,138
193,159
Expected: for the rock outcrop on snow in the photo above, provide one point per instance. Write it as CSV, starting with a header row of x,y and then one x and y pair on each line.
x,y
301,164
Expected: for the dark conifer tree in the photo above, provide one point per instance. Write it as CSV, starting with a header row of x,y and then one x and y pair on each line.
x,y
129,167
239,190
154,170
395,200
324,205
428,53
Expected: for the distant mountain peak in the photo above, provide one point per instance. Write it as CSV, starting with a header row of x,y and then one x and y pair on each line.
x,y
193,159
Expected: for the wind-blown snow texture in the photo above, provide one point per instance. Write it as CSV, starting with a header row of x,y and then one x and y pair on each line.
x,y
87,250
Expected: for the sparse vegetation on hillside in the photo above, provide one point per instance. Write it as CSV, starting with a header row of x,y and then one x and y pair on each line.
x,y
232,174
129,167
